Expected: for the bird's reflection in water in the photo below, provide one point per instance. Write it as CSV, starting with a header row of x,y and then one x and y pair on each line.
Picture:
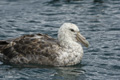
x,y
65,73
70,73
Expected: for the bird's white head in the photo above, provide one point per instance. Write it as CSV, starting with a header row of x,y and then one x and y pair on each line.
x,y
69,33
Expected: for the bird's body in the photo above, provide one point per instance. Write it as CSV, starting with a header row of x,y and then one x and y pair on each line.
x,y
43,49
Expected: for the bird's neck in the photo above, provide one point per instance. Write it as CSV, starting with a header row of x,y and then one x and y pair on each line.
x,y
65,40
70,53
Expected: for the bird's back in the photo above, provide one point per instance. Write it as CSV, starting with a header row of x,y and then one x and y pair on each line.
x,y
38,49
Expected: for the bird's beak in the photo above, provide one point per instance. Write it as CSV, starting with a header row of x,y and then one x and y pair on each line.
x,y
82,39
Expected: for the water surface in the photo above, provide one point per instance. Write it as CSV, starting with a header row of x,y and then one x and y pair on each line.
x,y
98,21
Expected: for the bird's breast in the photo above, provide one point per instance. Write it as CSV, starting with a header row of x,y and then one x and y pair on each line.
x,y
69,57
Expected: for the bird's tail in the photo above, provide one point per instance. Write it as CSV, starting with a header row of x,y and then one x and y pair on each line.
x,y
3,44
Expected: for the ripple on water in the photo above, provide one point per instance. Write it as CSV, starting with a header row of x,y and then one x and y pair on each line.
x,y
98,22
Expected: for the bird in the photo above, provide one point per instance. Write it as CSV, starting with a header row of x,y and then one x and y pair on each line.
x,y
42,49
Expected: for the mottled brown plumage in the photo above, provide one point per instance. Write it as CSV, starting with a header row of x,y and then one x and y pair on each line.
x,y
30,49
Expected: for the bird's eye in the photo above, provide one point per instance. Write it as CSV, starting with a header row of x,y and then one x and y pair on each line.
x,y
72,30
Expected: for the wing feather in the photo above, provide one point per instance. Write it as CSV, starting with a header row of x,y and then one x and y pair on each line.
x,y
42,46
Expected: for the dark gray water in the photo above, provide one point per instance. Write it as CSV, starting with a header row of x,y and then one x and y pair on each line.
x,y
99,22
